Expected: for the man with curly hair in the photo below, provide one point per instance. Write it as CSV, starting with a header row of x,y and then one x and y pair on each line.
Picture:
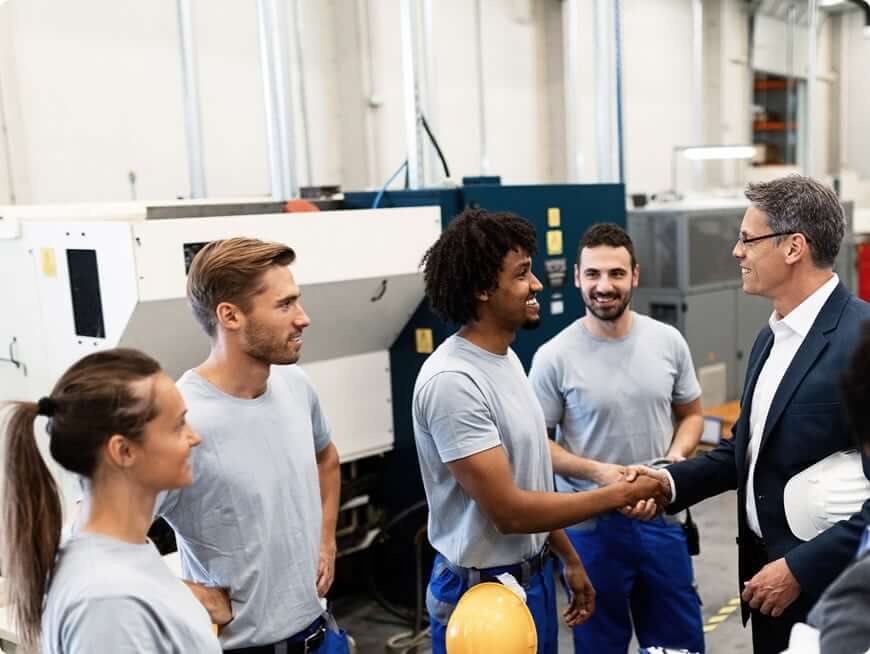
x,y
486,462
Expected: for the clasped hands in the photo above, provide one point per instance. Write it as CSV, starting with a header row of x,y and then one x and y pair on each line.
x,y
647,490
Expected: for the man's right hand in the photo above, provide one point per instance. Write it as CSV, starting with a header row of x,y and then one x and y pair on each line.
x,y
647,491
215,600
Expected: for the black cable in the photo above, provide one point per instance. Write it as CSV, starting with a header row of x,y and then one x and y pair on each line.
x,y
435,143
407,616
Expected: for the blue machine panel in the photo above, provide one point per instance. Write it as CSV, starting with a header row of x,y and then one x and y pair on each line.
x,y
577,206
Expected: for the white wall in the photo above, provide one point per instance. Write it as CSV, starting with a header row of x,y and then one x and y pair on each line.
x,y
93,91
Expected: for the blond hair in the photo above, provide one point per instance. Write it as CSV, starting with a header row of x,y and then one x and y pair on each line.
x,y
230,271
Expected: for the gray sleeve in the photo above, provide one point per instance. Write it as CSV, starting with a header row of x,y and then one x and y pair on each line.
x,y
457,417
319,425
121,625
840,614
544,379
686,386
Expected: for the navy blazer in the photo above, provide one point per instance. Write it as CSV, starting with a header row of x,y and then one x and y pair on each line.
x,y
806,423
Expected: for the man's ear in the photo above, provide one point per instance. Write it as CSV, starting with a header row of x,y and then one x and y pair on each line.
x,y
229,316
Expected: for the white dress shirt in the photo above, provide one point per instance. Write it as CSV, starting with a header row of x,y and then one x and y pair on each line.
x,y
788,335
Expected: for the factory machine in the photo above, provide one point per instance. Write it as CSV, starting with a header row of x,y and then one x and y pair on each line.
x,y
77,279
689,279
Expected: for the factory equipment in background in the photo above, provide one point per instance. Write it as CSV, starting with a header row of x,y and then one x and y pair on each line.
x,y
89,277
689,279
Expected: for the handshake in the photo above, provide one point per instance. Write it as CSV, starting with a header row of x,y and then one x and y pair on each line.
x,y
646,491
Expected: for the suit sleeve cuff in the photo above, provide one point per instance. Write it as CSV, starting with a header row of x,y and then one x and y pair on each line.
x,y
673,485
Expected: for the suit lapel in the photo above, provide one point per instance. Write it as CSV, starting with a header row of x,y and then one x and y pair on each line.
x,y
814,344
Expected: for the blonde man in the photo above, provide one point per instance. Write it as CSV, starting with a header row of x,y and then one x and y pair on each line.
x,y
256,529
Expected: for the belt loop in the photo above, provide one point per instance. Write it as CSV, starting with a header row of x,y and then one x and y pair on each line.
x,y
525,573
281,648
473,577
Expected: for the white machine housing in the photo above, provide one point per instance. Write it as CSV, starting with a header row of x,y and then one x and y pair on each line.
x,y
358,270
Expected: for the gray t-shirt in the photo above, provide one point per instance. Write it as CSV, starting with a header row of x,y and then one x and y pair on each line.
x,y
251,519
466,401
610,400
110,596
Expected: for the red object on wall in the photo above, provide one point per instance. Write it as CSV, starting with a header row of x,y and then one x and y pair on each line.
x,y
864,271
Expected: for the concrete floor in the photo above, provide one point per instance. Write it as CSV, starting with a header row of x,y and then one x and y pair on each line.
x,y
715,572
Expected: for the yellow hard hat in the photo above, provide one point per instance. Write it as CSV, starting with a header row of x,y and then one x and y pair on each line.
x,y
489,619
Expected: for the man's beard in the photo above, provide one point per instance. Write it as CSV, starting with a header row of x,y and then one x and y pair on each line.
x,y
261,345
613,313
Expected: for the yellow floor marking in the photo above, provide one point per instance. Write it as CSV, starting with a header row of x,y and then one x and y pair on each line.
x,y
721,615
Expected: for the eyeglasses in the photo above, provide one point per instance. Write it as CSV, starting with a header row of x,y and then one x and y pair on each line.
x,y
741,240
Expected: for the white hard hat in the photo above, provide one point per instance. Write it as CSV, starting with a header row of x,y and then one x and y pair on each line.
x,y
831,490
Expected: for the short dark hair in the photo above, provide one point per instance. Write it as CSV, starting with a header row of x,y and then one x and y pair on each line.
x,y
230,271
855,387
606,234
798,204
467,258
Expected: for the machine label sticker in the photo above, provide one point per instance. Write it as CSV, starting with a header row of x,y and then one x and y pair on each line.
x,y
47,262
557,307
554,242
554,217
424,340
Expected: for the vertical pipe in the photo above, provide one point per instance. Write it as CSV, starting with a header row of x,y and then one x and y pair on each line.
x,y
620,134
570,45
280,58
279,125
481,92
272,132
697,86
790,85
296,8
7,146
603,91
427,85
371,91
413,138
193,128
812,40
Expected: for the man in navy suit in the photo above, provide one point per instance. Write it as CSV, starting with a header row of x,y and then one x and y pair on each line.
x,y
791,413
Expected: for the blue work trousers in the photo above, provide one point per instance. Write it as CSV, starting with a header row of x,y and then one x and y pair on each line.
x,y
642,574
446,587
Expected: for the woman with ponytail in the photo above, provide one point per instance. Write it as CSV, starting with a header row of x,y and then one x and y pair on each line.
x,y
117,420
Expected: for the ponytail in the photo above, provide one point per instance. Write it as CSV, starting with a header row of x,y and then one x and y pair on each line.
x,y
31,521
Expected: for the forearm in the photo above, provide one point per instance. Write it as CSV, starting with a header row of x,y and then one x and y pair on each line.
x,y
567,464
687,436
561,545
530,512
215,600
329,474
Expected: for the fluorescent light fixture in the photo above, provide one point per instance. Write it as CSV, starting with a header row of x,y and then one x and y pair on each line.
x,y
831,3
707,153
718,152
867,31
